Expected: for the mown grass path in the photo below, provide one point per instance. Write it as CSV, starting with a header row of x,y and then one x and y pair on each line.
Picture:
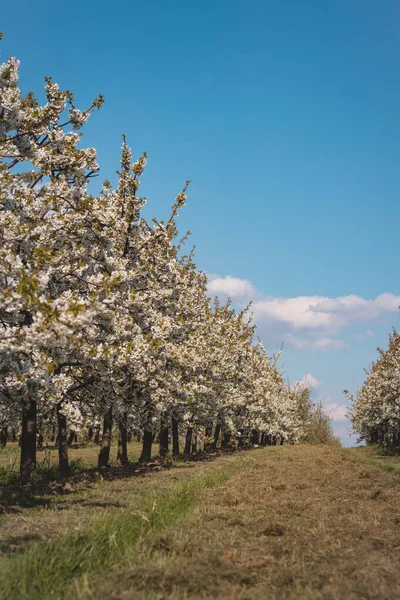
x,y
277,523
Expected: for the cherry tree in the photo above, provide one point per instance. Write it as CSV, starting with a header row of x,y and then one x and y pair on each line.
x,y
375,412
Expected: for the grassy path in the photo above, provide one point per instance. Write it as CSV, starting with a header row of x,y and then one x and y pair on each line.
x,y
279,523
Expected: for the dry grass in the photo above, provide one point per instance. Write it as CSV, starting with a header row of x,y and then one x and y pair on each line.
x,y
303,523
46,516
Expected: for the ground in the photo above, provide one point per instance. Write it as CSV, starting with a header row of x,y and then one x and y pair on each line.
x,y
290,522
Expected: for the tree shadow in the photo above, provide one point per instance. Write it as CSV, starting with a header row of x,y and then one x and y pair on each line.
x,y
14,497
16,543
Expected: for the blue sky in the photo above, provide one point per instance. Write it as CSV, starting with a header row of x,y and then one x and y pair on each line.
x,y
285,116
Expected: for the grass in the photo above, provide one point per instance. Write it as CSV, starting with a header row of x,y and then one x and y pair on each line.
x,y
81,458
53,568
290,523
88,455
376,457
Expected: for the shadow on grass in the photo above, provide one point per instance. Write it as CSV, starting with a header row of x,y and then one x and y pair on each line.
x,y
16,543
47,485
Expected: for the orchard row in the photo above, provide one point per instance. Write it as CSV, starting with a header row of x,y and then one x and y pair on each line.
x,y
105,319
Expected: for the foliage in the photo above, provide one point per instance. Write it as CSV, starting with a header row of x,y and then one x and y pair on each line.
x,y
316,423
375,413
103,311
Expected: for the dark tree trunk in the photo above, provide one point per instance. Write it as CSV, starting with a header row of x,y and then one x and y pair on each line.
x,y
216,436
241,439
40,441
97,435
3,437
53,435
274,441
194,443
164,438
13,435
122,454
226,439
104,454
70,439
28,442
188,440
255,438
62,442
282,440
268,440
129,435
207,436
90,434
146,449
175,437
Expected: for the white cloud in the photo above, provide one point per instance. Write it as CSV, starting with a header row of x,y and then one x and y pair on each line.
x,y
337,412
296,312
317,318
231,286
322,343
310,381
322,313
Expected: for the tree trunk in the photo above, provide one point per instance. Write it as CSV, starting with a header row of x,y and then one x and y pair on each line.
x,y
146,449
188,441
40,441
13,435
175,437
255,437
104,454
97,435
226,439
90,434
164,438
70,439
216,436
28,441
241,439
122,454
207,436
3,437
282,440
194,443
62,442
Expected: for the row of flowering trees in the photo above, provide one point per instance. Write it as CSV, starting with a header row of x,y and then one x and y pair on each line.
x,y
375,411
104,318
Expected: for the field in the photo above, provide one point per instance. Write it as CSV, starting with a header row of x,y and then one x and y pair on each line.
x,y
290,522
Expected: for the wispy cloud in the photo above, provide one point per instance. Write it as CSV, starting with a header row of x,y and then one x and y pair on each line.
x,y
308,322
323,343
337,412
328,314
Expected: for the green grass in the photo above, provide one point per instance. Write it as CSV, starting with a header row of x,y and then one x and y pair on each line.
x,y
47,470
376,457
46,571
88,454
